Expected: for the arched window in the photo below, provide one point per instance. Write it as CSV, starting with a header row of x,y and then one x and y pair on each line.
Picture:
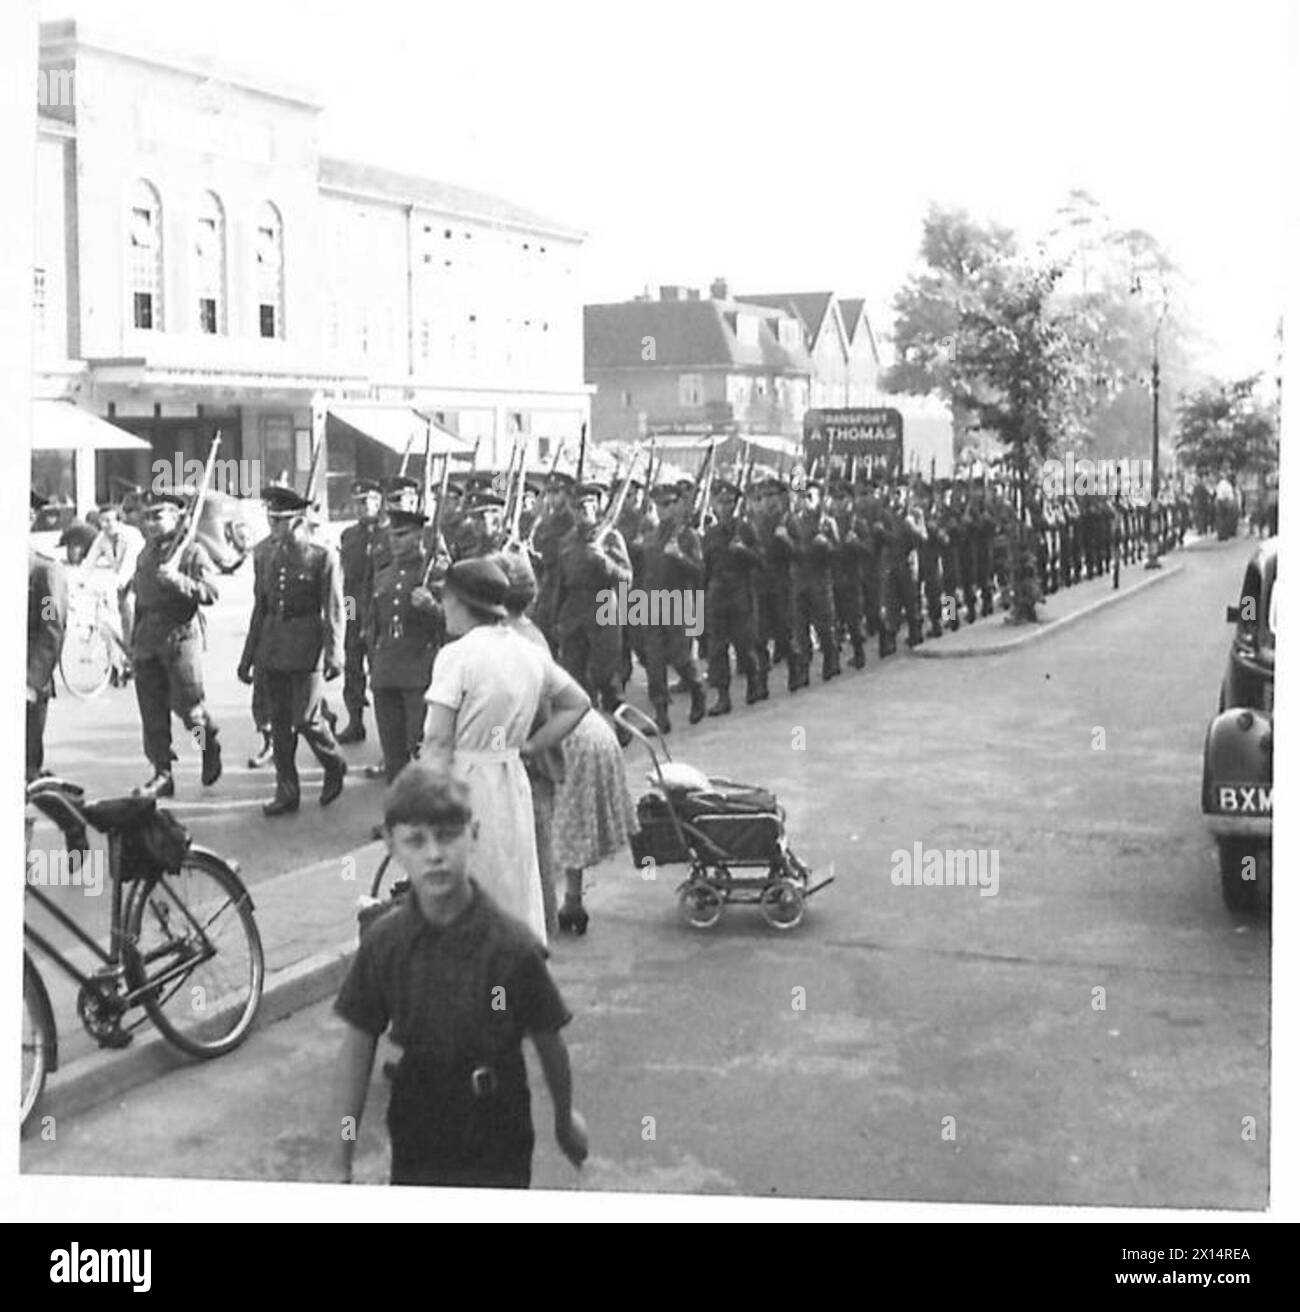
x,y
144,257
270,272
210,264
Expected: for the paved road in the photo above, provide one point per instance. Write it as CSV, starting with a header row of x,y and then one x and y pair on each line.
x,y
1097,1032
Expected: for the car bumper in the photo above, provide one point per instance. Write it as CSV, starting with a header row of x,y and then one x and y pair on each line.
x,y
1240,826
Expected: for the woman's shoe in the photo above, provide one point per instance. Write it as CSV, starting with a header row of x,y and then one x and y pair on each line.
x,y
572,919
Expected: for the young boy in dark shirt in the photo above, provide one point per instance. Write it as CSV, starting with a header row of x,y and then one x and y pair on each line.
x,y
461,984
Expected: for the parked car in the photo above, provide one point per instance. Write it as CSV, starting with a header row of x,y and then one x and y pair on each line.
x,y
1237,784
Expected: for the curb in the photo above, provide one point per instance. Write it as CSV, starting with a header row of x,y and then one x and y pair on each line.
x,y
1052,626
104,1075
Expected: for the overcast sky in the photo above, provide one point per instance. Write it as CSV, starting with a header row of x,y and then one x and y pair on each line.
x,y
796,147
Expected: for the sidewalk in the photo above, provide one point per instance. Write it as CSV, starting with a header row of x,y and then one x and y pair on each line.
x,y
995,635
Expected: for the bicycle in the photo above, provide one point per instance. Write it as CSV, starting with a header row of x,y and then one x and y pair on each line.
x,y
183,942
86,661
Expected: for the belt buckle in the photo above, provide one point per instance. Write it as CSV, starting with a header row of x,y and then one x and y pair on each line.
x,y
483,1081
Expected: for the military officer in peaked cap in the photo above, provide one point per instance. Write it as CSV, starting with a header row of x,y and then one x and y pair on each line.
x,y
167,642
548,533
731,555
295,637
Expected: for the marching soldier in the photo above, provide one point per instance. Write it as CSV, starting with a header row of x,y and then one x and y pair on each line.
x,y
813,539
356,552
589,649
866,512
846,572
672,560
772,582
403,629
930,562
167,643
952,531
547,536
730,555
47,615
630,524
295,637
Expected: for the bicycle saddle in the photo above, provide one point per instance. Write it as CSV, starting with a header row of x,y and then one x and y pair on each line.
x,y
115,813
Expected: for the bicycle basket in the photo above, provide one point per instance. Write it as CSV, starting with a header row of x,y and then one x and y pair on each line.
x,y
157,844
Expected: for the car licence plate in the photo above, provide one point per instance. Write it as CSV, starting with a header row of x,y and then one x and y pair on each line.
x,y
1243,799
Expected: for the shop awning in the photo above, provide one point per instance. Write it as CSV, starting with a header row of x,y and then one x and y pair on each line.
x,y
62,426
400,429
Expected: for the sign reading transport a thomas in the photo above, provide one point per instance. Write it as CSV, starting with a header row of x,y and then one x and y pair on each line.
x,y
873,434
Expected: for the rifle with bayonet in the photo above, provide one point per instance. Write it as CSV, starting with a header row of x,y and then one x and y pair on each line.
x,y
615,512
196,510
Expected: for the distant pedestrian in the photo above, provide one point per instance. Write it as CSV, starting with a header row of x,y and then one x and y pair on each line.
x,y
459,984
47,614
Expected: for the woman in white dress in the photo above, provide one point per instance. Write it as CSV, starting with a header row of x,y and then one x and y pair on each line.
x,y
483,699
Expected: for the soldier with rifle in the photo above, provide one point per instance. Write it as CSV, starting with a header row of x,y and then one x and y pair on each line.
x,y
174,577
592,560
813,539
731,555
672,564
846,571
772,581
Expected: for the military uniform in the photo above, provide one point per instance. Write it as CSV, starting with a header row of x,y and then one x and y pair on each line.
x,y
591,650
47,614
771,593
403,637
675,573
731,555
813,541
295,636
166,651
547,538
930,555
846,577
356,557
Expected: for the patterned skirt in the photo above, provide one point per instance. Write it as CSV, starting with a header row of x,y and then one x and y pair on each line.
x,y
595,814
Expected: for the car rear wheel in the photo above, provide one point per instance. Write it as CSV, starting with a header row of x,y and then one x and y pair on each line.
x,y
1241,867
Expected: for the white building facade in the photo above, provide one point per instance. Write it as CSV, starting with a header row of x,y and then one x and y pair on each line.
x,y
202,267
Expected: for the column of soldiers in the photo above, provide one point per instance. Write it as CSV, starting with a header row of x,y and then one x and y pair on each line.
x,y
786,574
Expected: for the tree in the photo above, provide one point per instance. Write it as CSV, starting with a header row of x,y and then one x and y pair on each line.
x,y
960,257
1225,425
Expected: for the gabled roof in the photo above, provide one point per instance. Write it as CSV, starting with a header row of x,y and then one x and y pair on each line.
x,y
851,310
811,307
686,335
409,189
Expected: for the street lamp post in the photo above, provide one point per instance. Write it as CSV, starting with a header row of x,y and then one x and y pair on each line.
x,y
1153,508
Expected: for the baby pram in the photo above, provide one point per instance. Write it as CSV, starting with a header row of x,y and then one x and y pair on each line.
x,y
716,827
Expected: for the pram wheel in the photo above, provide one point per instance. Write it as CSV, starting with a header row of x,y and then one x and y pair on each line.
x,y
782,903
701,904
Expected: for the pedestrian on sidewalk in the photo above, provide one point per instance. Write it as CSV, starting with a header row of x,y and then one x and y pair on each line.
x,y
487,685
461,984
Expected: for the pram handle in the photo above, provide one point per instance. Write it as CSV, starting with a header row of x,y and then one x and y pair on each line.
x,y
640,726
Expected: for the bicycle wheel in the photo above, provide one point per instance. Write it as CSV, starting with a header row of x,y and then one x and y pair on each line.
x,y
86,662
193,933
38,1041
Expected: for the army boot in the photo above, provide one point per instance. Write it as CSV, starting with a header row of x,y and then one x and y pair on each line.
x,y
723,705
699,703
356,728
211,757
859,653
263,754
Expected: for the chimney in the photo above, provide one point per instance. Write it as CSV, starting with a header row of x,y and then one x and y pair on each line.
x,y
672,292
718,289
